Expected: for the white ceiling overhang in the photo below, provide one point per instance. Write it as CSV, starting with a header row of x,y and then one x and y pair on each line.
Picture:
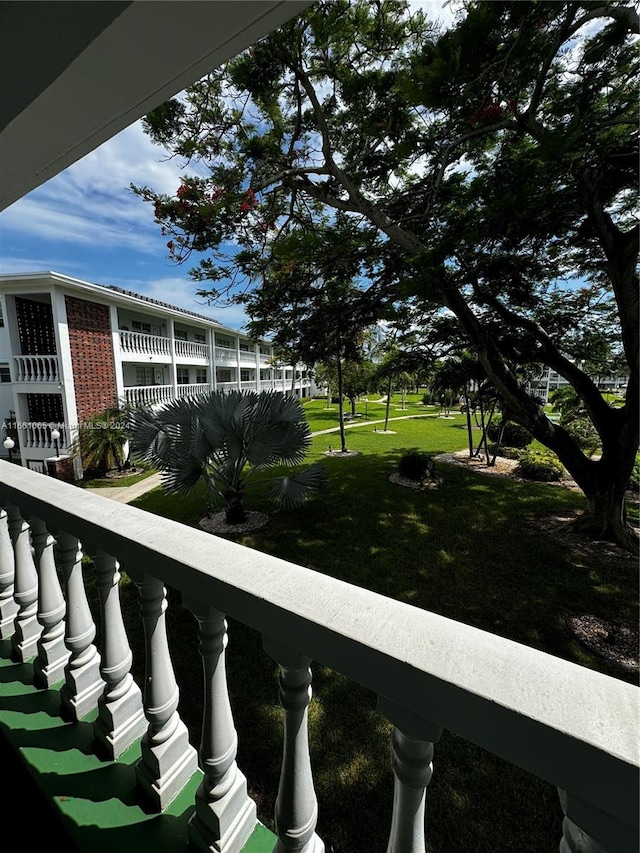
x,y
74,74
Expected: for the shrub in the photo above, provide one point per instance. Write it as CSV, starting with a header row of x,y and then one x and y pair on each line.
x,y
634,479
426,399
514,435
417,466
505,452
541,465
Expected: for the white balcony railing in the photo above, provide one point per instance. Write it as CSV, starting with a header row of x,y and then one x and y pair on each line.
x,y
36,368
264,358
248,385
569,725
192,350
148,395
38,436
227,386
226,355
140,343
193,389
267,384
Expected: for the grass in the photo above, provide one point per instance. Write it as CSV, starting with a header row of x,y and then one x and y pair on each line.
x,y
116,482
462,550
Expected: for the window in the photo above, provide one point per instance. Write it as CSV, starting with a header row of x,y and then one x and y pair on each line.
x,y
1,316
144,375
223,342
200,338
201,375
182,375
5,376
244,347
245,375
137,326
223,375
180,335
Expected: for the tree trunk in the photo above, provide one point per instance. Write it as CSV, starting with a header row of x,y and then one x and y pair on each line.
x,y
343,438
606,516
386,414
234,507
469,427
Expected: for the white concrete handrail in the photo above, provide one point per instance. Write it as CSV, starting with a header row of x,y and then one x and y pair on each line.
x,y
148,394
142,343
193,389
573,727
36,368
191,349
226,354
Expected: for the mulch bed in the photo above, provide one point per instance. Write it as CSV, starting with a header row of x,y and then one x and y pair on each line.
x,y
217,524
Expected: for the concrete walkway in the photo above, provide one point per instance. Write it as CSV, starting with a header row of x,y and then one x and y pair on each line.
x,y
126,494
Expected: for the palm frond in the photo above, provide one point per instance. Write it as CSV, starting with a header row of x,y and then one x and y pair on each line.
x,y
293,491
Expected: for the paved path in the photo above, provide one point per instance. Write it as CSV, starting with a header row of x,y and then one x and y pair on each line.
x,y
126,494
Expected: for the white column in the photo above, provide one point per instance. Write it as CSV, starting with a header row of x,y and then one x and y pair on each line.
x,y
66,385
238,369
117,350
296,804
172,348
8,606
258,380
225,816
52,653
411,758
121,718
83,683
168,759
27,628
212,360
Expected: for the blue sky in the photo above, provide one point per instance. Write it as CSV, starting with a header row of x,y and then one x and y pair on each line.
x,y
87,224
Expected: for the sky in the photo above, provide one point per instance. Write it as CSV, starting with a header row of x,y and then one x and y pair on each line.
x,y
86,223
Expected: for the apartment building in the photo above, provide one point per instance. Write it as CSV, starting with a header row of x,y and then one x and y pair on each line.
x,y
69,349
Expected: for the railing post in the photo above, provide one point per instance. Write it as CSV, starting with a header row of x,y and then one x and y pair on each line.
x,y
52,653
83,683
225,816
8,605
121,719
411,758
296,804
168,759
586,829
27,628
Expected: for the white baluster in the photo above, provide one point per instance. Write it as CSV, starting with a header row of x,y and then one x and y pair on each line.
x,y
411,758
52,655
168,759
83,683
121,719
225,816
296,804
27,628
8,605
586,829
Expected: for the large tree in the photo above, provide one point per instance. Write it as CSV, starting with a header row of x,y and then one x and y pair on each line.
x,y
483,167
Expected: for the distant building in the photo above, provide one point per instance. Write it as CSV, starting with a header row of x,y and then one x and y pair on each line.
x,y
550,381
69,349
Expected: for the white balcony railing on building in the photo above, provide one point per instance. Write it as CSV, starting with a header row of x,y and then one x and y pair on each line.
x,y
264,358
227,386
267,384
192,350
248,385
36,368
193,389
140,343
148,395
569,725
37,436
226,355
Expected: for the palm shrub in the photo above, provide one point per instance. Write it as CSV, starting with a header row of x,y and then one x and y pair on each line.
x,y
102,440
225,439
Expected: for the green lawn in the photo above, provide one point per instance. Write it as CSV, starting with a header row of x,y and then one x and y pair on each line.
x,y
463,550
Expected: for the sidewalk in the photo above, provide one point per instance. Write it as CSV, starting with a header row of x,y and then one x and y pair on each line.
x,y
126,494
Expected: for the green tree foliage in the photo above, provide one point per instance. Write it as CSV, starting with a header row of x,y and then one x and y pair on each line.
x,y
482,169
225,439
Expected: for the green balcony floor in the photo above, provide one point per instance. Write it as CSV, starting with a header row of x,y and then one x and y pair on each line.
x,y
57,783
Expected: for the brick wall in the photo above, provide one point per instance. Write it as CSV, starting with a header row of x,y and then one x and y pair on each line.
x,y
94,372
